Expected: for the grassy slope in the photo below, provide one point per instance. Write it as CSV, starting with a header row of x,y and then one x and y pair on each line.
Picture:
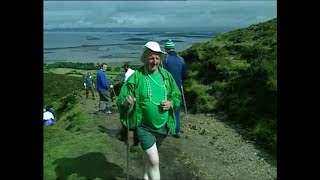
x,y
235,73
57,86
75,148
75,133
80,73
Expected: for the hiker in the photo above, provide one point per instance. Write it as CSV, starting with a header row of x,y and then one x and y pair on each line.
x,y
176,66
150,97
89,85
102,88
48,116
122,134
128,71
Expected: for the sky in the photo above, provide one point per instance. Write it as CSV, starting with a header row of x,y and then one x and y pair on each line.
x,y
141,14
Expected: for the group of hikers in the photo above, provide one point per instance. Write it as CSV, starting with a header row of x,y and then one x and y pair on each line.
x,y
149,100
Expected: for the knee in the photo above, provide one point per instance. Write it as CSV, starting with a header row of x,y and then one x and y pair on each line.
x,y
154,161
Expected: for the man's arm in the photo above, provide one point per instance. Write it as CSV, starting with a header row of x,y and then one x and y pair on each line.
x,y
104,80
84,83
184,73
93,85
164,63
126,90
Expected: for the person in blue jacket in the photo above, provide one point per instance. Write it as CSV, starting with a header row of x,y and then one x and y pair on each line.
x,y
177,67
102,88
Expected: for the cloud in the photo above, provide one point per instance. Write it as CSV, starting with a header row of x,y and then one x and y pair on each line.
x,y
156,13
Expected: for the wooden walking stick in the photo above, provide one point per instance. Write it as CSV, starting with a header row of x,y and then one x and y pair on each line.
x,y
115,95
128,147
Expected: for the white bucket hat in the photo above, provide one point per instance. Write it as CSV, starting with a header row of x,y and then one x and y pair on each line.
x,y
153,46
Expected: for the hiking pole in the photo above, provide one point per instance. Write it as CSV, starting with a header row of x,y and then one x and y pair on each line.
x,y
114,92
128,148
184,100
112,89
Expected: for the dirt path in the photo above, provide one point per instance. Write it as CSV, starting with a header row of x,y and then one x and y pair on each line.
x,y
208,149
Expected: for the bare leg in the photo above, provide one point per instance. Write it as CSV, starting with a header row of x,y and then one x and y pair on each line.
x,y
152,164
145,174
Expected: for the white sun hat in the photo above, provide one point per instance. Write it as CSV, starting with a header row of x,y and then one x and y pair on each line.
x,y
153,46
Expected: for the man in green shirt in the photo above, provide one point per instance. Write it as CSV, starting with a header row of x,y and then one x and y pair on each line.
x,y
150,97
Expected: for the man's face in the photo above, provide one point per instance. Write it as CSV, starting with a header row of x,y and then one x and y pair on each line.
x,y
104,67
151,61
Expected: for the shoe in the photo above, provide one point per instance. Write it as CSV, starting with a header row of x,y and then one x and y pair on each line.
x,y
108,112
177,135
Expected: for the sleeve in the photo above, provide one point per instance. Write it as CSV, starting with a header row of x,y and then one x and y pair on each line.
x,y
174,95
126,90
104,81
126,76
165,63
184,73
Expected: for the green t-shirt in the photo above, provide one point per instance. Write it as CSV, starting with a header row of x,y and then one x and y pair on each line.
x,y
152,95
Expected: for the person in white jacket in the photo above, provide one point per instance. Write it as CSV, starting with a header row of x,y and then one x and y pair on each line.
x,y
122,133
128,70
48,116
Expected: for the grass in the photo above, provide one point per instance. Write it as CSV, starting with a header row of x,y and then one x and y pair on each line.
x,y
74,145
61,70
56,86
76,149
75,137
235,73
80,73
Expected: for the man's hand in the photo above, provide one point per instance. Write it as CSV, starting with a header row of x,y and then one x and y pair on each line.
x,y
129,100
165,105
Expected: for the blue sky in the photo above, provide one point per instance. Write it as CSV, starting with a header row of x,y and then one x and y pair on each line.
x,y
67,14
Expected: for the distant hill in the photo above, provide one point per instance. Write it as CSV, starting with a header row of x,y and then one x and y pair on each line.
x,y
144,29
235,73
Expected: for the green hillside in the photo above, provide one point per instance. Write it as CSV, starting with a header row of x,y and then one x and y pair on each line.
x,y
235,73
74,133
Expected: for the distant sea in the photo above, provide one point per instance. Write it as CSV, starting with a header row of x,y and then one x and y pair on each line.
x,y
114,46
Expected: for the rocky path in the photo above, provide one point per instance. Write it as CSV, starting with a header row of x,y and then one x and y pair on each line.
x,y
208,149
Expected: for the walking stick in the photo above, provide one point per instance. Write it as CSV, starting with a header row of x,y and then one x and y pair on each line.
x,y
115,95
184,100
128,148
